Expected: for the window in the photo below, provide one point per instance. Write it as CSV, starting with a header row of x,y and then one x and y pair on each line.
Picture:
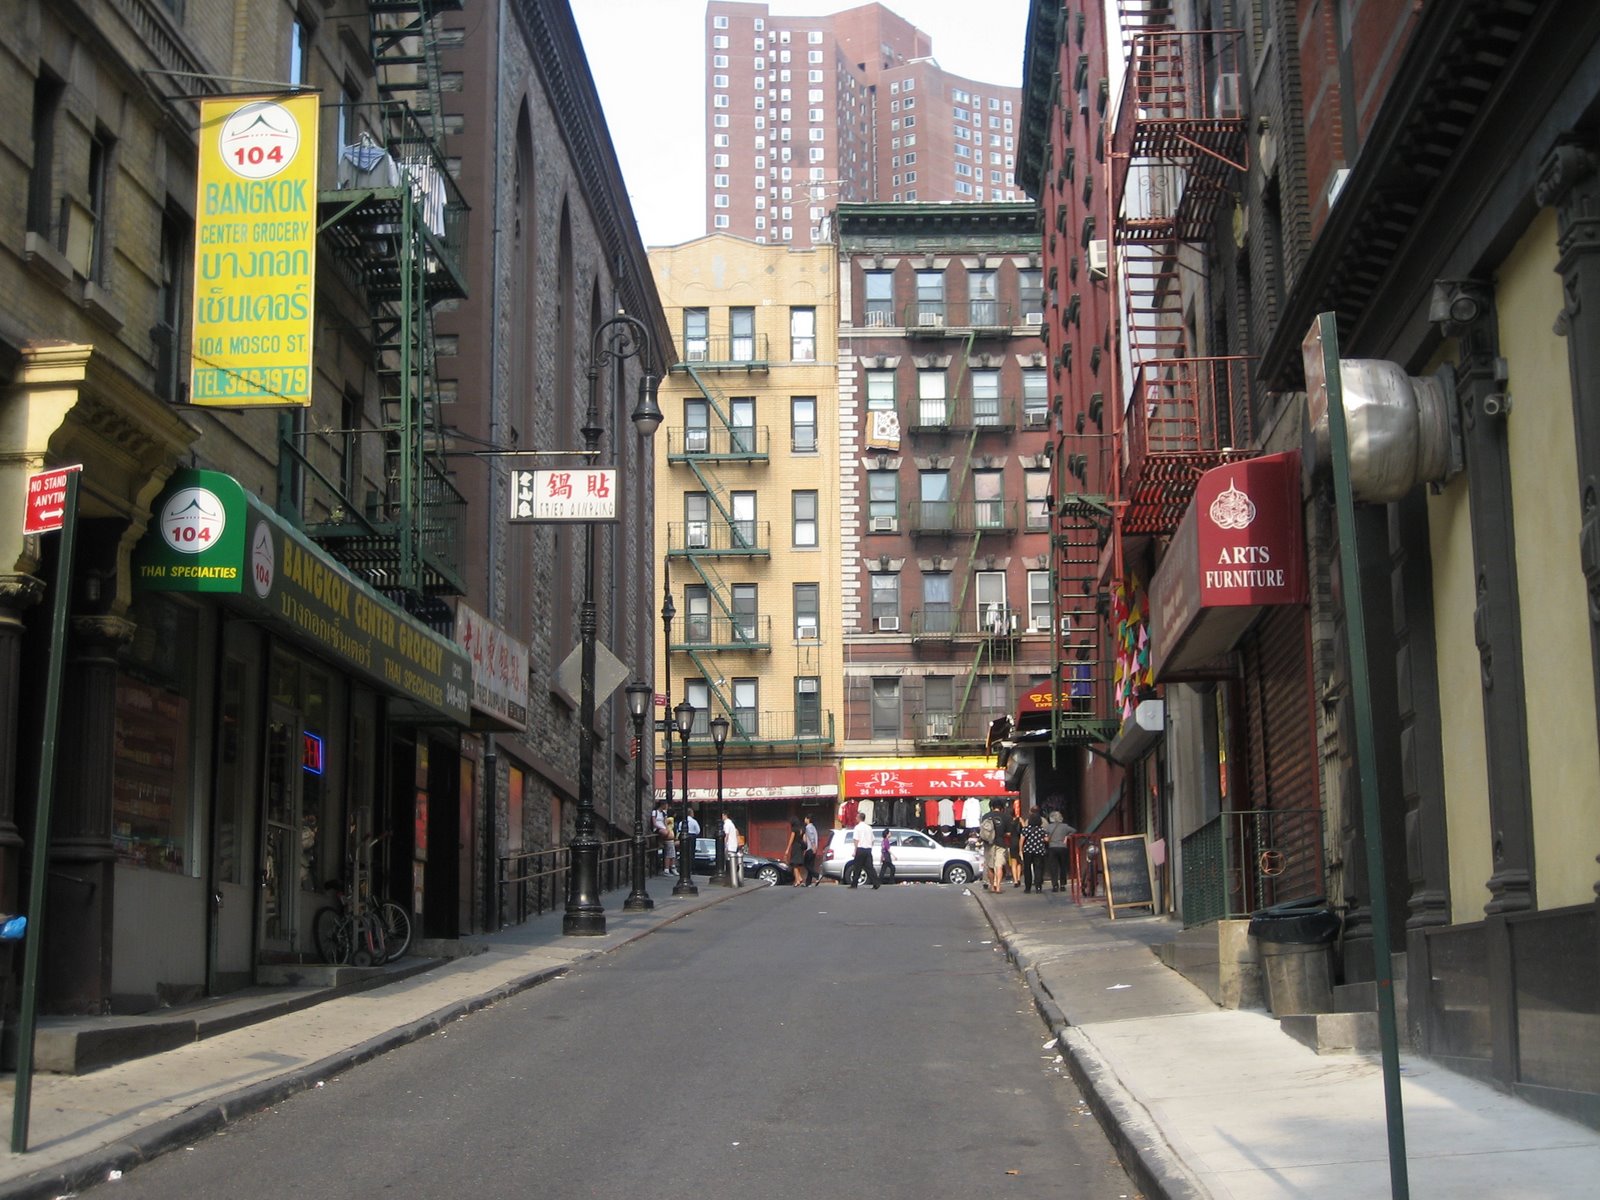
x,y
719,22
803,424
719,42
299,51
1038,600
883,501
698,693
696,426
719,60
1035,396
745,608
936,509
983,298
808,706
802,332
742,328
988,494
939,705
175,232
1036,489
41,207
697,521
721,201
931,407
938,615
994,613
879,287
697,623
885,600
720,221
1030,289
744,520
807,612
880,389
805,518
930,297
985,396
886,708
719,81
695,341
742,425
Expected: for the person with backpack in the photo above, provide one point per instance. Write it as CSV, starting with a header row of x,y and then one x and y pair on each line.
x,y
991,835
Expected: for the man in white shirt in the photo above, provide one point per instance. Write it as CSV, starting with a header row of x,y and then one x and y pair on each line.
x,y
730,842
863,863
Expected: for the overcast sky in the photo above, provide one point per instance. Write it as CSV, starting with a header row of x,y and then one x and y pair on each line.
x,y
656,113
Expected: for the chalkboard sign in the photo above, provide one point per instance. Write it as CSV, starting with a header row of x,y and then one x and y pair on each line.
x,y
1126,862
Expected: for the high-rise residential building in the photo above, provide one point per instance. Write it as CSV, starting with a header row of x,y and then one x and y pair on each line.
x,y
805,112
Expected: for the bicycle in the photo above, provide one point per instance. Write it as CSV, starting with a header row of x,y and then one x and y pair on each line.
x,y
360,933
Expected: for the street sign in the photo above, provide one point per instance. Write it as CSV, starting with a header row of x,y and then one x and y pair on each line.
x,y
573,494
47,499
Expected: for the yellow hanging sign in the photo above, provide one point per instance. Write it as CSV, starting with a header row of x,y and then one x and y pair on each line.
x,y
255,252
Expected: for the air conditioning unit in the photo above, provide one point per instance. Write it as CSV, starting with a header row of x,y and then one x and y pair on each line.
x,y
1036,416
699,535
1033,318
1098,267
888,624
941,725
695,441
883,524
878,320
1225,99
1040,625
695,354
927,319
807,633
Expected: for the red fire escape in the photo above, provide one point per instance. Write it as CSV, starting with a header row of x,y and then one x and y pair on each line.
x,y
1178,157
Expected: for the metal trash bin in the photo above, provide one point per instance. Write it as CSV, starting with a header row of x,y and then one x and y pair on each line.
x,y
1295,944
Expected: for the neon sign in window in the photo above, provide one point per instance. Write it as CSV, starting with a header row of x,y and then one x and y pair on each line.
x,y
311,754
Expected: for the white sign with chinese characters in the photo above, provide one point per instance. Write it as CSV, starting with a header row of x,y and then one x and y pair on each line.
x,y
564,494
499,667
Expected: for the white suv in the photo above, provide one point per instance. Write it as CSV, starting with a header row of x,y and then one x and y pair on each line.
x,y
914,855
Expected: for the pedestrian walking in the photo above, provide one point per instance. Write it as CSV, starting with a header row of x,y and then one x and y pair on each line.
x,y
1035,847
1014,845
863,863
885,862
663,848
811,840
794,851
992,837
730,843
691,828
672,844
1060,835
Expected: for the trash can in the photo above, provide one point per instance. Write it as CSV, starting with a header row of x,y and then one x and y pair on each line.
x,y
1295,942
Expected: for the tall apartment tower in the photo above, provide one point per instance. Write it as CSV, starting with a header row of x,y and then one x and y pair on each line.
x,y
805,112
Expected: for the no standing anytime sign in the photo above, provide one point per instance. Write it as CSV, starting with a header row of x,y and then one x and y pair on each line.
x,y
47,500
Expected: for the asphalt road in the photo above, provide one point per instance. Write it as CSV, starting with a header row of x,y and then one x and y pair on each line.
x,y
803,1042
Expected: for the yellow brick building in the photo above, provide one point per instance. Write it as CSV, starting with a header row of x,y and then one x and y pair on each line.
x,y
747,529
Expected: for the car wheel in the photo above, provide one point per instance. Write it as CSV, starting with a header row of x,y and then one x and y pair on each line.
x,y
768,875
958,874
849,874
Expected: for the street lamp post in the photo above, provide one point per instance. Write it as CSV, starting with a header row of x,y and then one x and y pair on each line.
x,y
615,340
639,695
719,738
684,716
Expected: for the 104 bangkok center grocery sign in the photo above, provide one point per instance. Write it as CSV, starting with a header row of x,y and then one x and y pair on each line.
x,y
255,252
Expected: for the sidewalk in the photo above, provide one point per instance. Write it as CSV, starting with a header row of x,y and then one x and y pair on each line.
x,y
82,1127
1212,1102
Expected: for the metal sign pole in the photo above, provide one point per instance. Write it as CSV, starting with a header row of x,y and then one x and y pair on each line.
x,y
1325,334
34,938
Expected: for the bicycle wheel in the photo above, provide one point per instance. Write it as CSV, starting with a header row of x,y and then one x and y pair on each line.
x,y
396,930
331,930
369,942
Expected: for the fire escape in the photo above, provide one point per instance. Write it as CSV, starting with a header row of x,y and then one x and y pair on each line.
x,y
1178,156
394,227
976,529
728,628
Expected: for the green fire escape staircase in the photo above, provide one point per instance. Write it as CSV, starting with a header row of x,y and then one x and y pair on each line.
x,y
394,230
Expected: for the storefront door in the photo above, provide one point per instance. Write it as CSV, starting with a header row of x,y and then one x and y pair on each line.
x,y
280,843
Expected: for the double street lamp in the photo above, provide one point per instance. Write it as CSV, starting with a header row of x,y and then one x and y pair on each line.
x,y
639,695
615,340
684,718
719,738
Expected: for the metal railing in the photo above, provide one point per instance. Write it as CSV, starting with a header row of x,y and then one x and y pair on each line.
x,y
1246,859
742,350
535,881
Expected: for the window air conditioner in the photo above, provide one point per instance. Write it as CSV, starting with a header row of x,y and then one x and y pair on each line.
x,y
1097,259
695,354
1225,101
941,725
695,441
888,624
883,524
927,319
878,320
1033,318
699,535
1036,416
1040,625
806,633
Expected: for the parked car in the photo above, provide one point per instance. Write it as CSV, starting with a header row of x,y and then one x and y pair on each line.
x,y
914,855
757,867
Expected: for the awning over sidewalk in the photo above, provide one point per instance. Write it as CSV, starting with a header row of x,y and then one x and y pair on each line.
x,y
208,535
890,778
1239,548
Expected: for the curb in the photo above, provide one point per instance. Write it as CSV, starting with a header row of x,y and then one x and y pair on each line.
x,y
93,1166
1151,1162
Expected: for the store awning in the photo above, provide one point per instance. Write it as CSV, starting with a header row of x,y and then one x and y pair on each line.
x,y
887,778
1239,548
208,535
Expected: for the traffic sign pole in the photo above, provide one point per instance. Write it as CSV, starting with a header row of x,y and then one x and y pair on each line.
x,y
34,938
